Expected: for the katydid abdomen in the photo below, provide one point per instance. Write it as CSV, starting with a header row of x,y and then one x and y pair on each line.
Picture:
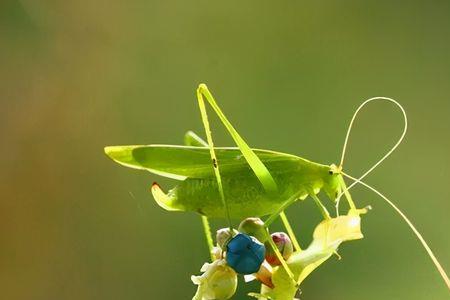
x,y
244,193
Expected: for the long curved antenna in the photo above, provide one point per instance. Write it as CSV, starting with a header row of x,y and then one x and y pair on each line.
x,y
359,180
344,148
411,225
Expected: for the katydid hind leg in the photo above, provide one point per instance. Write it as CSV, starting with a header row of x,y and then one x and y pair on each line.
x,y
192,139
215,164
252,159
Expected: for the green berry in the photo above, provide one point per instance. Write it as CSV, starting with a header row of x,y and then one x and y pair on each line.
x,y
254,227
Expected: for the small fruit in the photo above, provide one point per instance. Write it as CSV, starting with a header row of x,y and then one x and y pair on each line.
x,y
245,254
254,227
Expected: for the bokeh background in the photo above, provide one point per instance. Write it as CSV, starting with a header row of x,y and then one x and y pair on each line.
x,y
78,75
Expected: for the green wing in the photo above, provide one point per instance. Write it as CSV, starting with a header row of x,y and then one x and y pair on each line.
x,y
179,162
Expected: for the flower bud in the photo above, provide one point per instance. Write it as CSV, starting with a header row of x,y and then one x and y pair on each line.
x,y
264,274
223,236
254,227
284,245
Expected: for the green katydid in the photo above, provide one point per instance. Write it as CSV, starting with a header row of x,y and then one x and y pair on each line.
x,y
243,182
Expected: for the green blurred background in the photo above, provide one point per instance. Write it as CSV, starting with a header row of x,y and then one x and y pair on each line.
x,y
78,75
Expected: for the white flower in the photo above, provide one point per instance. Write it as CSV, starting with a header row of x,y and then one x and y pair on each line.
x,y
218,281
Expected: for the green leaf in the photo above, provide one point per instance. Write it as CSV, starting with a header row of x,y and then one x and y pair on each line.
x,y
327,237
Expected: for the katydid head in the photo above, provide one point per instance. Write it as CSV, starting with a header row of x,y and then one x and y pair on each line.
x,y
332,184
335,169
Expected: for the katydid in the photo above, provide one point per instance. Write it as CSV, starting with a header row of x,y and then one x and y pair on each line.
x,y
241,182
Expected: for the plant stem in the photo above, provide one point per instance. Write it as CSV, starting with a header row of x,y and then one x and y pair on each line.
x,y
208,236
290,232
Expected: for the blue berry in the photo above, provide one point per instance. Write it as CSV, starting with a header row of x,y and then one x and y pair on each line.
x,y
245,254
